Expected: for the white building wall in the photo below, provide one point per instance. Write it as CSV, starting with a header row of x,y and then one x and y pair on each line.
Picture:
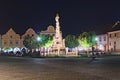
x,y
102,41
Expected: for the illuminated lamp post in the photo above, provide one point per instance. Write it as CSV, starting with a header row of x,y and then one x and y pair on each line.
x,y
94,47
96,39
39,40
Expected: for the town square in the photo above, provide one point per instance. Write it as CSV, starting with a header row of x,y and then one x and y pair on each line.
x,y
59,40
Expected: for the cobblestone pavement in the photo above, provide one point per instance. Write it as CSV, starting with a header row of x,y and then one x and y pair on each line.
x,y
18,68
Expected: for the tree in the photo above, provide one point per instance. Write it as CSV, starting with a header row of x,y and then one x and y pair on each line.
x,y
84,40
46,41
92,37
87,39
30,42
71,41
49,41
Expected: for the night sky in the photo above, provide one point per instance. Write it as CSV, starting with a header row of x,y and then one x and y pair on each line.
x,y
75,16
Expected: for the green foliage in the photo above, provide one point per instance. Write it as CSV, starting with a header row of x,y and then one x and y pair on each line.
x,y
71,41
30,42
92,37
87,39
83,40
46,41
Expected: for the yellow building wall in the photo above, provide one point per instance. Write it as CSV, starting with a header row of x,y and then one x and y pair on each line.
x,y
11,39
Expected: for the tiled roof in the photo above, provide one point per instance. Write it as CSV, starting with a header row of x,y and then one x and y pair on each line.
x,y
102,29
115,27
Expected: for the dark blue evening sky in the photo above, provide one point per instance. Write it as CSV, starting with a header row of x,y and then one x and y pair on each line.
x,y
75,15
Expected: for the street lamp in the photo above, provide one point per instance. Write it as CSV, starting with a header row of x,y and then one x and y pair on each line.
x,y
96,39
38,39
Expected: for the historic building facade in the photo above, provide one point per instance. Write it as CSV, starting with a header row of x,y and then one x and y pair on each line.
x,y
11,40
111,40
114,41
58,46
105,42
102,41
50,31
29,32
14,42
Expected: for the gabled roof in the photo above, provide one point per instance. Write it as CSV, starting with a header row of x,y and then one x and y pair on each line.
x,y
11,31
115,27
104,29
